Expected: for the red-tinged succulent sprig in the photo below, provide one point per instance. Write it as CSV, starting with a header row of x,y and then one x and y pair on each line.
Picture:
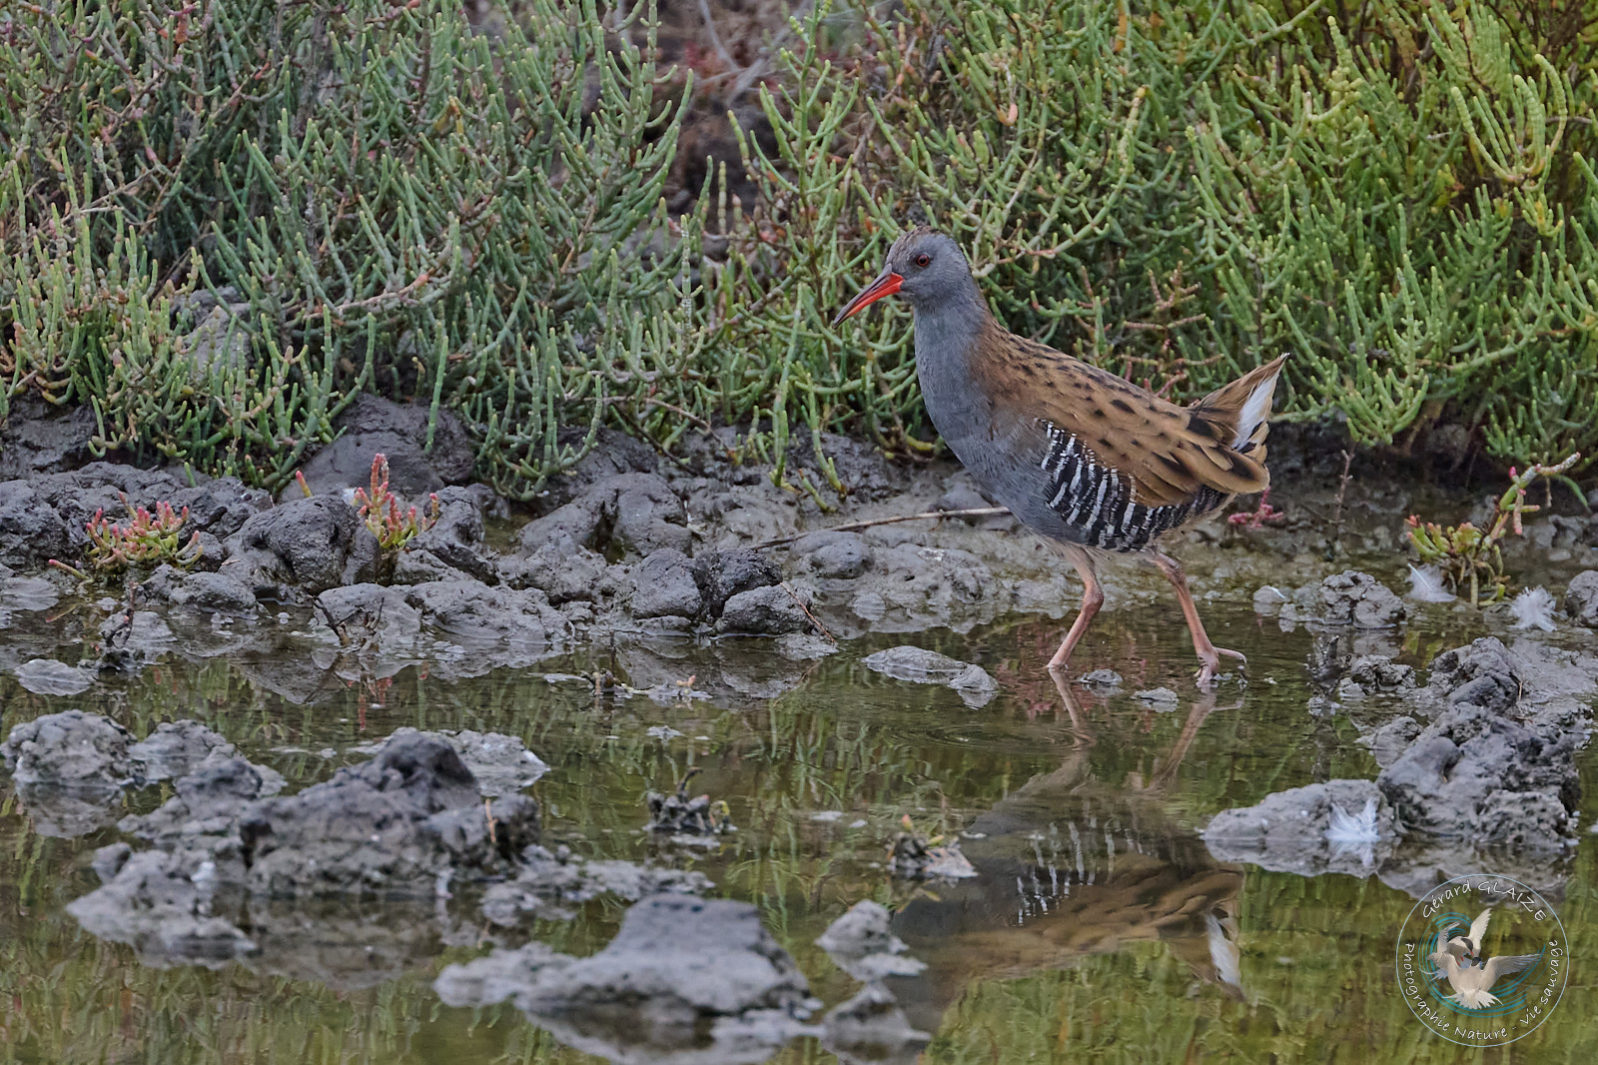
x,y
380,510
1471,558
145,538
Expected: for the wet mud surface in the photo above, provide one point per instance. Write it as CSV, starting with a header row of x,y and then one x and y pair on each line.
x,y
671,770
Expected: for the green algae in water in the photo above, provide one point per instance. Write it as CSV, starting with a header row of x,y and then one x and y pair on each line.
x,y
1097,931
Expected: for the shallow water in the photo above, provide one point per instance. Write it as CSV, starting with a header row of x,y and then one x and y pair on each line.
x,y
1098,928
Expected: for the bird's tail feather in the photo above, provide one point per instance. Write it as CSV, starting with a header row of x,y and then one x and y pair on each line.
x,y
1243,408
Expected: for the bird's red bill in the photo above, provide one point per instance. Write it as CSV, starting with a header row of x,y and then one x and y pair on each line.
x,y
886,285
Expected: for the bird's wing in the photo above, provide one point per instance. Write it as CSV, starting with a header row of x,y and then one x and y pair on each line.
x,y
1478,927
1505,964
1169,453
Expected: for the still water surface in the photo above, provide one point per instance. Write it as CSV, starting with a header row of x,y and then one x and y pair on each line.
x,y
1101,929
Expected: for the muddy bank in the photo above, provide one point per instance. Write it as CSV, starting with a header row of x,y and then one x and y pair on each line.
x,y
633,548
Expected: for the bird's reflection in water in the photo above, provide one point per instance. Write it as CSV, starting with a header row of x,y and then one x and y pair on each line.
x,y
1068,867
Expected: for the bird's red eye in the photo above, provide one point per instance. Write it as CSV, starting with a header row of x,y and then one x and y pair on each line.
x,y
923,259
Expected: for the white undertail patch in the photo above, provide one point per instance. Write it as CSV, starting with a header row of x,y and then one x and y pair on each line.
x,y
1255,410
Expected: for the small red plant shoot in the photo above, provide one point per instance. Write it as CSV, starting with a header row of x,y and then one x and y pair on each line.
x,y
145,539
380,510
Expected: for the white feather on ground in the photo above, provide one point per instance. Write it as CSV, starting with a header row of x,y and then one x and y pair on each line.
x,y
1426,585
1354,829
1533,609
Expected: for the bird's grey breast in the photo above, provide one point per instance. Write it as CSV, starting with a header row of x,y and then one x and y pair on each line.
x,y
1001,447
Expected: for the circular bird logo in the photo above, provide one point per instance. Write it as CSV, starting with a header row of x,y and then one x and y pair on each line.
x,y
1482,959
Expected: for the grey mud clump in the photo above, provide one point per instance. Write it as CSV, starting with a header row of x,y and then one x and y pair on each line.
x,y
1340,826
970,681
72,750
1358,599
501,764
679,969
1495,766
302,547
391,826
1581,599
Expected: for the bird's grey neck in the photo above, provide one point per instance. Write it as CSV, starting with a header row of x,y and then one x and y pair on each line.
x,y
947,328
948,336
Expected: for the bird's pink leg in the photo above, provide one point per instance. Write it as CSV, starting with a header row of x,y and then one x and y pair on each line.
x,y
1208,653
1092,599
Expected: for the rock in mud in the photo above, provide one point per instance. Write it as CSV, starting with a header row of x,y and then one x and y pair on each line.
x,y
31,532
1339,826
1371,674
721,575
772,610
563,573
390,826
1161,699
970,681
472,612
501,764
46,676
1102,680
452,546
910,588
1483,674
209,801
833,555
374,425
1358,599
677,967
161,904
304,545
547,883
664,586
1496,764
614,453
1581,599
200,591
71,749
38,438
633,512
1391,739
1453,779
176,748
861,944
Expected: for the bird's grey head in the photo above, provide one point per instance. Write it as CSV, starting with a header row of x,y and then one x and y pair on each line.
x,y
925,267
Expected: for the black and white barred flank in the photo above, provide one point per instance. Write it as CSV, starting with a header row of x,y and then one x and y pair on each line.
x,y
1096,501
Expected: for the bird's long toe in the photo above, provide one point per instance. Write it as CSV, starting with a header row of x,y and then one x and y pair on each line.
x,y
1212,663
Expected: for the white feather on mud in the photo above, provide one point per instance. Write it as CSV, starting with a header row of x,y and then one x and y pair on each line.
x,y
1354,829
1426,585
1533,609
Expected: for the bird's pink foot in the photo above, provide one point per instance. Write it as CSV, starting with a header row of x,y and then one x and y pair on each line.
x,y
1212,662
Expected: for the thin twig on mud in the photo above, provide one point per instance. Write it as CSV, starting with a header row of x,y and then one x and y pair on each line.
x,y
856,526
800,603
